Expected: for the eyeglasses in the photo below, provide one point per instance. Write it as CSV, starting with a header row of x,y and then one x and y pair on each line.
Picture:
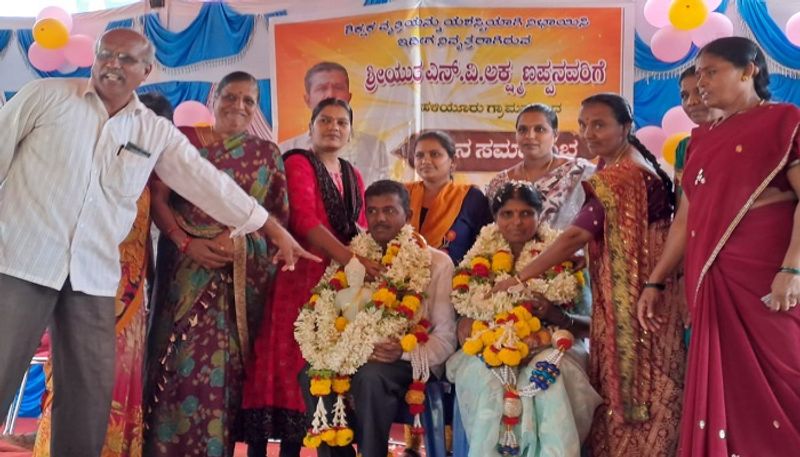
x,y
104,55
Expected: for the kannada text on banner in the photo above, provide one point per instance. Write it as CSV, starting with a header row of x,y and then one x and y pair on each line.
x,y
467,71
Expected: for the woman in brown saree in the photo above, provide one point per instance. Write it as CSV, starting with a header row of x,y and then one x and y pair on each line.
x,y
210,288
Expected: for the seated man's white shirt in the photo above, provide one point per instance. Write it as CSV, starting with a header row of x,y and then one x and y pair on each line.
x,y
69,186
364,151
438,309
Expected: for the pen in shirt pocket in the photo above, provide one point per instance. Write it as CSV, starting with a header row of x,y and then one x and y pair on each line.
x,y
134,149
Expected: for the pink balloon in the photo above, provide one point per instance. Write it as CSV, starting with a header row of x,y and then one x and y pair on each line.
x,y
652,137
192,113
657,12
716,26
57,13
712,4
670,44
793,29
675,121
79,51
45,59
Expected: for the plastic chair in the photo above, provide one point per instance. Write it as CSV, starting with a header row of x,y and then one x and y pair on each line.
x,y
13,411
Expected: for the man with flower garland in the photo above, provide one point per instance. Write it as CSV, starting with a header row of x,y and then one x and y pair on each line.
x,y
379,387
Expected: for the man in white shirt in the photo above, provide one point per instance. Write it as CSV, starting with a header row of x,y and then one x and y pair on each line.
x,y
74,157
379,387
364,151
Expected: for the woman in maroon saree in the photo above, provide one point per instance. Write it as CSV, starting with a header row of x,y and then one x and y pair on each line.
x,y
738,226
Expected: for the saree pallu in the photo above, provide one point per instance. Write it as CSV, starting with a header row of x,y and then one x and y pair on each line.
x,y
638,374
561,189
743,378
124,436
553,424
204,319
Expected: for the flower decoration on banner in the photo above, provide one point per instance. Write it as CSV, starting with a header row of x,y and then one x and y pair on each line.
x,y
675,126
793,29
683,22
193,114
54,48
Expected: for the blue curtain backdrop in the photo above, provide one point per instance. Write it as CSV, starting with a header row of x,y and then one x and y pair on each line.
x,y
178,92
652,98
120,24
5,37
34,389
217,32
768,34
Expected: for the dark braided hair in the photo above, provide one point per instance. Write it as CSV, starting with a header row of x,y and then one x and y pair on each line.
x,y
624,115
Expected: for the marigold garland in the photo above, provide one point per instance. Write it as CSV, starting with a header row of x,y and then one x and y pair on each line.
x,y
503,320
335,348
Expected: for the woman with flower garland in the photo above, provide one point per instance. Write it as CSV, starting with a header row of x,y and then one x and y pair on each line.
x,y
557,177
447,214
326,197
639,374
556,421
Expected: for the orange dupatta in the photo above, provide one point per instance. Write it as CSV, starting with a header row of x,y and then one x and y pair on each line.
x,y
441,215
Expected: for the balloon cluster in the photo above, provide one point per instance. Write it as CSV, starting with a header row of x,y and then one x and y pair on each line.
x,y
54,48
675,126
683,22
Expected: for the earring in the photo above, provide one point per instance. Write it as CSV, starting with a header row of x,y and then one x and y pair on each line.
x,y
745,78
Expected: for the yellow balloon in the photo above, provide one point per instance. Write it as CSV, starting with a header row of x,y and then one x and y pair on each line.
x,y
687,14
670,145
50,33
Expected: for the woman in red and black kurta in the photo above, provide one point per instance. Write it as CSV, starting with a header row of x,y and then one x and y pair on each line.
x,y
326,204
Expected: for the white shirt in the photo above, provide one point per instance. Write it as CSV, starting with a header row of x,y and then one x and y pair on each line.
x,y
364,151
68,186
438,309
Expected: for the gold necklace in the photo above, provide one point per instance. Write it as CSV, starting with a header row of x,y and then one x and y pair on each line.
x,y
618,157
723,119
546,169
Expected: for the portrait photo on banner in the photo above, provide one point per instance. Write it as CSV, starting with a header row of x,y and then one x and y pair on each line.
x,y
467,70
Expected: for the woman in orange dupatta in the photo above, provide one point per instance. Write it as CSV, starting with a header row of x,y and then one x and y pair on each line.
x,y
447,214
625,221
739,228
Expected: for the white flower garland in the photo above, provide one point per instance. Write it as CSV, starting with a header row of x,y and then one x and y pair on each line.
x,y
323,346
559,287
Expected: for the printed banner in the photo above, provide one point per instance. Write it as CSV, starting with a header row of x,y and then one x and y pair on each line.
x,y
464,70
